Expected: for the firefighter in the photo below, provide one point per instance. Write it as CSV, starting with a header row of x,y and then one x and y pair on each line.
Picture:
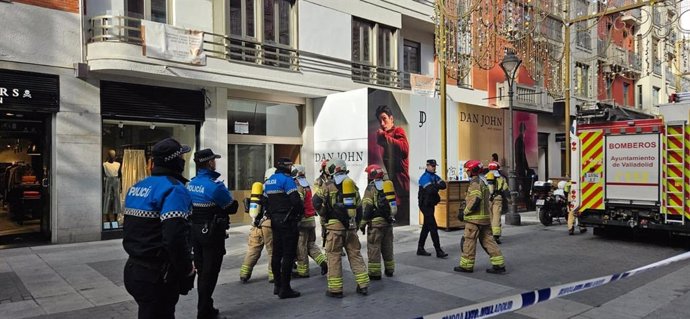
x,y
477,224
498,186
306,244
285,209
429,185
379,216
318,183
156,234
212,204
339,204
260,236
571,213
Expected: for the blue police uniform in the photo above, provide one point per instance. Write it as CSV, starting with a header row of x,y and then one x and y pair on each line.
x,y
284,208
211,201
156,238
429,185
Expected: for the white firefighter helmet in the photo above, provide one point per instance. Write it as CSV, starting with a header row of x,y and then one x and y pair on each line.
x,y
297,171
337,166
269,173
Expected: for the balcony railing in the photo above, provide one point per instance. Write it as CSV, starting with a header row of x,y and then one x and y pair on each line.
x,y
525,97
670,77
583,39
656,17
250,51
617,55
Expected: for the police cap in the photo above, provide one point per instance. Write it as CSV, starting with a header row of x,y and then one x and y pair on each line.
x,y
169,149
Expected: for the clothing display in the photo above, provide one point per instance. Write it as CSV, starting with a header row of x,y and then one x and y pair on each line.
x,y
133,170
111,193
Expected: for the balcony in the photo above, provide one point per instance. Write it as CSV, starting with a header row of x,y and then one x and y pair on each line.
x,y
527,98
247,52
615,55
583,39
633,17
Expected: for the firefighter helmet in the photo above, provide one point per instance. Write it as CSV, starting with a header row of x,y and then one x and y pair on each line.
x,y
324,165
337,166
297,171
473,167
374,172
269,173
494,166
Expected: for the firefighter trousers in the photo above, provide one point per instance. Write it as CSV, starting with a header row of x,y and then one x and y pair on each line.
x,y
486,239
307,247
572,219
496,209
259,237
380,242
335,241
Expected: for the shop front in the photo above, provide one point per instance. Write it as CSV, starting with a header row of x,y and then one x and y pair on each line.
x,y
135,117
28,102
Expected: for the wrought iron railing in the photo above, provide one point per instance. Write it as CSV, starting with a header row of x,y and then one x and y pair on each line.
x,y
237,49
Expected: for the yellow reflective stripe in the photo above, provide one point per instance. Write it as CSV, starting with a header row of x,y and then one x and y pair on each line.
x,y
302,269
496,231
362,278
375,269
497,261
270,275
466,263
245,270
308,219
479,216
335,282
476,192
390,265
320,259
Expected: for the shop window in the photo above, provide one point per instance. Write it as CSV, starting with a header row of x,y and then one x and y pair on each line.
x,y
412,60
126,159
264,118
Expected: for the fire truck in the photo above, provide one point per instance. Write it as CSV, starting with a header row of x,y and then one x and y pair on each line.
x,y
631,169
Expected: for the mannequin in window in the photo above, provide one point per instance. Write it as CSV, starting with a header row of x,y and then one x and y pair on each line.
x,y
111,193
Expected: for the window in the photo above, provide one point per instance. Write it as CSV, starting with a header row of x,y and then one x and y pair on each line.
x,y
361,41
609,88
278,21
582,37
154,10
412,58
639,96
626,92
369,51
582,77
130,143
655,96
242,18
264,118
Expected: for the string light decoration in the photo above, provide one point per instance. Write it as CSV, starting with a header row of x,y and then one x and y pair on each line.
x,y
477,32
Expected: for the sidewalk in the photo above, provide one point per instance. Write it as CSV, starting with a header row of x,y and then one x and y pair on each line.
x,y
57,279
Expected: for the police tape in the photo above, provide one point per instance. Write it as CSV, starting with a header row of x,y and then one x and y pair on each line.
x,y
516,302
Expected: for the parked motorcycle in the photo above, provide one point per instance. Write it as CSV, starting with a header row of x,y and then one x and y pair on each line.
x,y
550,204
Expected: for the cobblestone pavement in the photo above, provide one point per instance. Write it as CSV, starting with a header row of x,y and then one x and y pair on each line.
x,y
85,280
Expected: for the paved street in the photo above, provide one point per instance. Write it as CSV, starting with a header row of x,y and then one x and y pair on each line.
x,y
85,280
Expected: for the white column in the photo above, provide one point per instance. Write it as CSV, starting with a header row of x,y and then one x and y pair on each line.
x,y
214,130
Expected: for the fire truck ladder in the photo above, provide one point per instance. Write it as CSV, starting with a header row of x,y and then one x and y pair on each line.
x,y
674,179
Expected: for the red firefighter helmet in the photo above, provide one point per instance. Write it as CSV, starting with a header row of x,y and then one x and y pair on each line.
x,y
323,169
473,167
374,172
494,166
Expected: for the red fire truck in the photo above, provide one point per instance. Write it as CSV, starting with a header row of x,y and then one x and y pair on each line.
x,y
632,170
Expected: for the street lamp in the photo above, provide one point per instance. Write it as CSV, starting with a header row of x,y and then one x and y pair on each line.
x,y
510,65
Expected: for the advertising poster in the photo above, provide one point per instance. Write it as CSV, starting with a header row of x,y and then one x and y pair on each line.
x,y
526,142
480,133
388,145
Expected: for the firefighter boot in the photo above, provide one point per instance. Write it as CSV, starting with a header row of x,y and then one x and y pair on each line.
x,y
499,270
324,268
389,273
571,231
363,290
422,252
334,294
497,239
375,277
460,269
244,280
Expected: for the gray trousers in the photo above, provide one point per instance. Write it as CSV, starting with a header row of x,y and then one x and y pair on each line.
x,y
111,195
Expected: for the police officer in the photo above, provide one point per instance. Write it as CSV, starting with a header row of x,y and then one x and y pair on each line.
x,y
260,236
341,208
212,204
306,245
155,234
478,224
429,185
285,209
498,186
379,217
